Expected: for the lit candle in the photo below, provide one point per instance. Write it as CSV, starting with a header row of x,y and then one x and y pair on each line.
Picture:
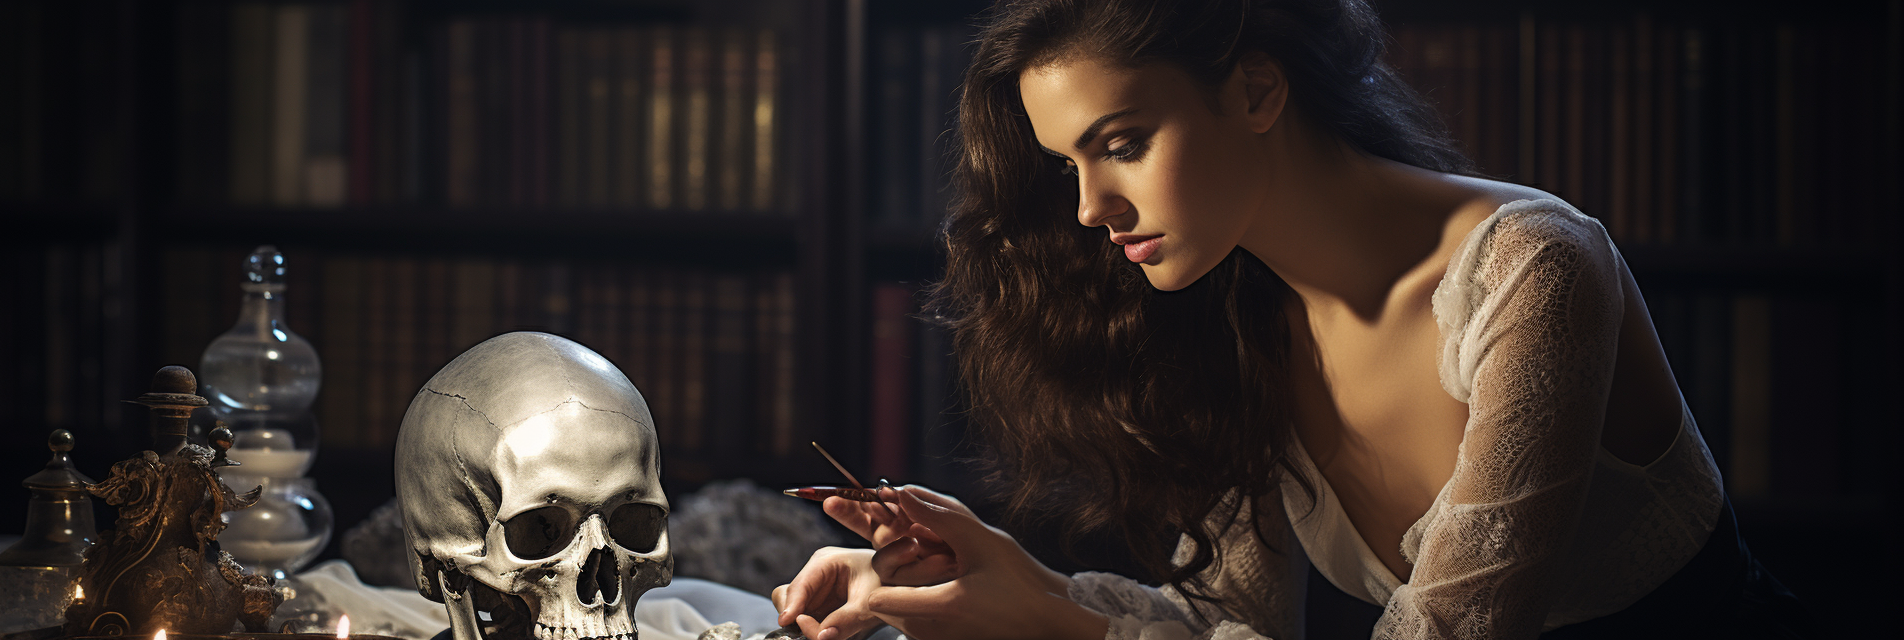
x,y
343,627
79,592
159,636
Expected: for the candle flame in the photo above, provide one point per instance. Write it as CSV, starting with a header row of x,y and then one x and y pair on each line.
x,y
343,627
79,592
159,636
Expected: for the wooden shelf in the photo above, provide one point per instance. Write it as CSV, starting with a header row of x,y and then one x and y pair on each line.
x,y
748,237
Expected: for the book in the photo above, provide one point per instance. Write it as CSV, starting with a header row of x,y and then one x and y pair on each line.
x,y
696,120
775,327
733,129
630,153
1751,390
462,116
894,165
766,192
661,118
730,385
290,90
325,174
599,82
252,26
203,135
571,96
892,375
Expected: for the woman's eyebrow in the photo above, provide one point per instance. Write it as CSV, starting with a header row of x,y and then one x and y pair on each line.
x,y
1097,127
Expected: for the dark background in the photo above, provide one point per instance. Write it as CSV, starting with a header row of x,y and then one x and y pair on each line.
x,y
1742,154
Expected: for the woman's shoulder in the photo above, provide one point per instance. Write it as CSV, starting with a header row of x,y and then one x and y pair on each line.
x,y
1505,218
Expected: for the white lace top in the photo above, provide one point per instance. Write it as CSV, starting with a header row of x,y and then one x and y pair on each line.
x,y
1539,526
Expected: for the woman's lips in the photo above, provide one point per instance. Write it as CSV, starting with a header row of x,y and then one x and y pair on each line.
x,y
1140,251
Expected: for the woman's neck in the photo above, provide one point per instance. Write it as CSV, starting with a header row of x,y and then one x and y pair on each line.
x,y
1343,227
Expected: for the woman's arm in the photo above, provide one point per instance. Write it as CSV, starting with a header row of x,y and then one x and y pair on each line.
x,y
1534,313
977,582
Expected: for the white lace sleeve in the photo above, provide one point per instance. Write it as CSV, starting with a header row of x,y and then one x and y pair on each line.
x,y
1262,589
1530,320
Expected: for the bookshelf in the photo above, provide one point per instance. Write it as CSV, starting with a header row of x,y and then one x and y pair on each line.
x,y
455,169
652,178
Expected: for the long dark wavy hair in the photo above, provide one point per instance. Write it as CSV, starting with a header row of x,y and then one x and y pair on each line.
x,y
1101,400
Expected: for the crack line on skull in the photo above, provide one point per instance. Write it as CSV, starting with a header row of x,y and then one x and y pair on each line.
x,y
462,466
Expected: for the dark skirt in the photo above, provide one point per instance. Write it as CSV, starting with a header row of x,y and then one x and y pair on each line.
x,y
1722,592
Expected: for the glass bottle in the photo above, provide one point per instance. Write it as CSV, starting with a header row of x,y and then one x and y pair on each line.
x,y
261,377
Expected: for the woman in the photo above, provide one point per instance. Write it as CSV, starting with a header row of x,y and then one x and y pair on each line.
x,y
1313,336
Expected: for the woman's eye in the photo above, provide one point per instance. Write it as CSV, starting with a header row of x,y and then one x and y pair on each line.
x,y
1128,152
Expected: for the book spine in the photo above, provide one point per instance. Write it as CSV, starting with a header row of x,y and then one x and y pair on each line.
x,y
325,174
930,127
766,188
895,175
1692,74
395,132
667,358
1667,201
629,125
731,387
541,106
473,301
252,26
1644,144
661,118
289,101
732,130
889,445
204,104
1785,196
571,97
365,93
1751,391
697,72
462,145
695,327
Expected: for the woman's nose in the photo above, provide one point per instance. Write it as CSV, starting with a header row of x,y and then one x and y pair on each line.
x,y
1098,202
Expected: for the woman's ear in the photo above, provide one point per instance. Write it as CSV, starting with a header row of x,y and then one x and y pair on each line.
x,y
1265,87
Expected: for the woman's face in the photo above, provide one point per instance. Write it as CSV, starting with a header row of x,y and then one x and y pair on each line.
x,y
1173,180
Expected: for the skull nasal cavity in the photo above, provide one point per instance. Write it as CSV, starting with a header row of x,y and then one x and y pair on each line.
x,y
600,573
539,533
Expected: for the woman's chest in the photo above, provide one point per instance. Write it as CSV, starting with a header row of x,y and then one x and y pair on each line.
x,y
1379,428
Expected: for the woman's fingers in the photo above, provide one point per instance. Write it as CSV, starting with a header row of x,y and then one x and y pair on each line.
x,y
846,622
821,586
916,563
879,523
947,519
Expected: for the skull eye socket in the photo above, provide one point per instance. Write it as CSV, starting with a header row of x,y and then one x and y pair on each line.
x,y
637,526
539,533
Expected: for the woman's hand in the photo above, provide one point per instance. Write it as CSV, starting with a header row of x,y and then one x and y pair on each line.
x,y
827,600
878,522
982,584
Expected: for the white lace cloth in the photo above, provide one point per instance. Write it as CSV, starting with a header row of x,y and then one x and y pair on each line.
x,y
1539,526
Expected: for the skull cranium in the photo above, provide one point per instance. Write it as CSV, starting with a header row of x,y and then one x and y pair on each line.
x,y
528,474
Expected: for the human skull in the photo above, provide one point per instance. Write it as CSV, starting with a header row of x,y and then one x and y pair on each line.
x,y
528,477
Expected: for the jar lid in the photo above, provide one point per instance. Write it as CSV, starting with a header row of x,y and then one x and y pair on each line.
x,y
59,474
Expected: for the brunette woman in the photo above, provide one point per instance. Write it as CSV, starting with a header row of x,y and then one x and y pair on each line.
x,y
1218,281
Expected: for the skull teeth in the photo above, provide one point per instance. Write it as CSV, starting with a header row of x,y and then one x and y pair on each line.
x,y
546,632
